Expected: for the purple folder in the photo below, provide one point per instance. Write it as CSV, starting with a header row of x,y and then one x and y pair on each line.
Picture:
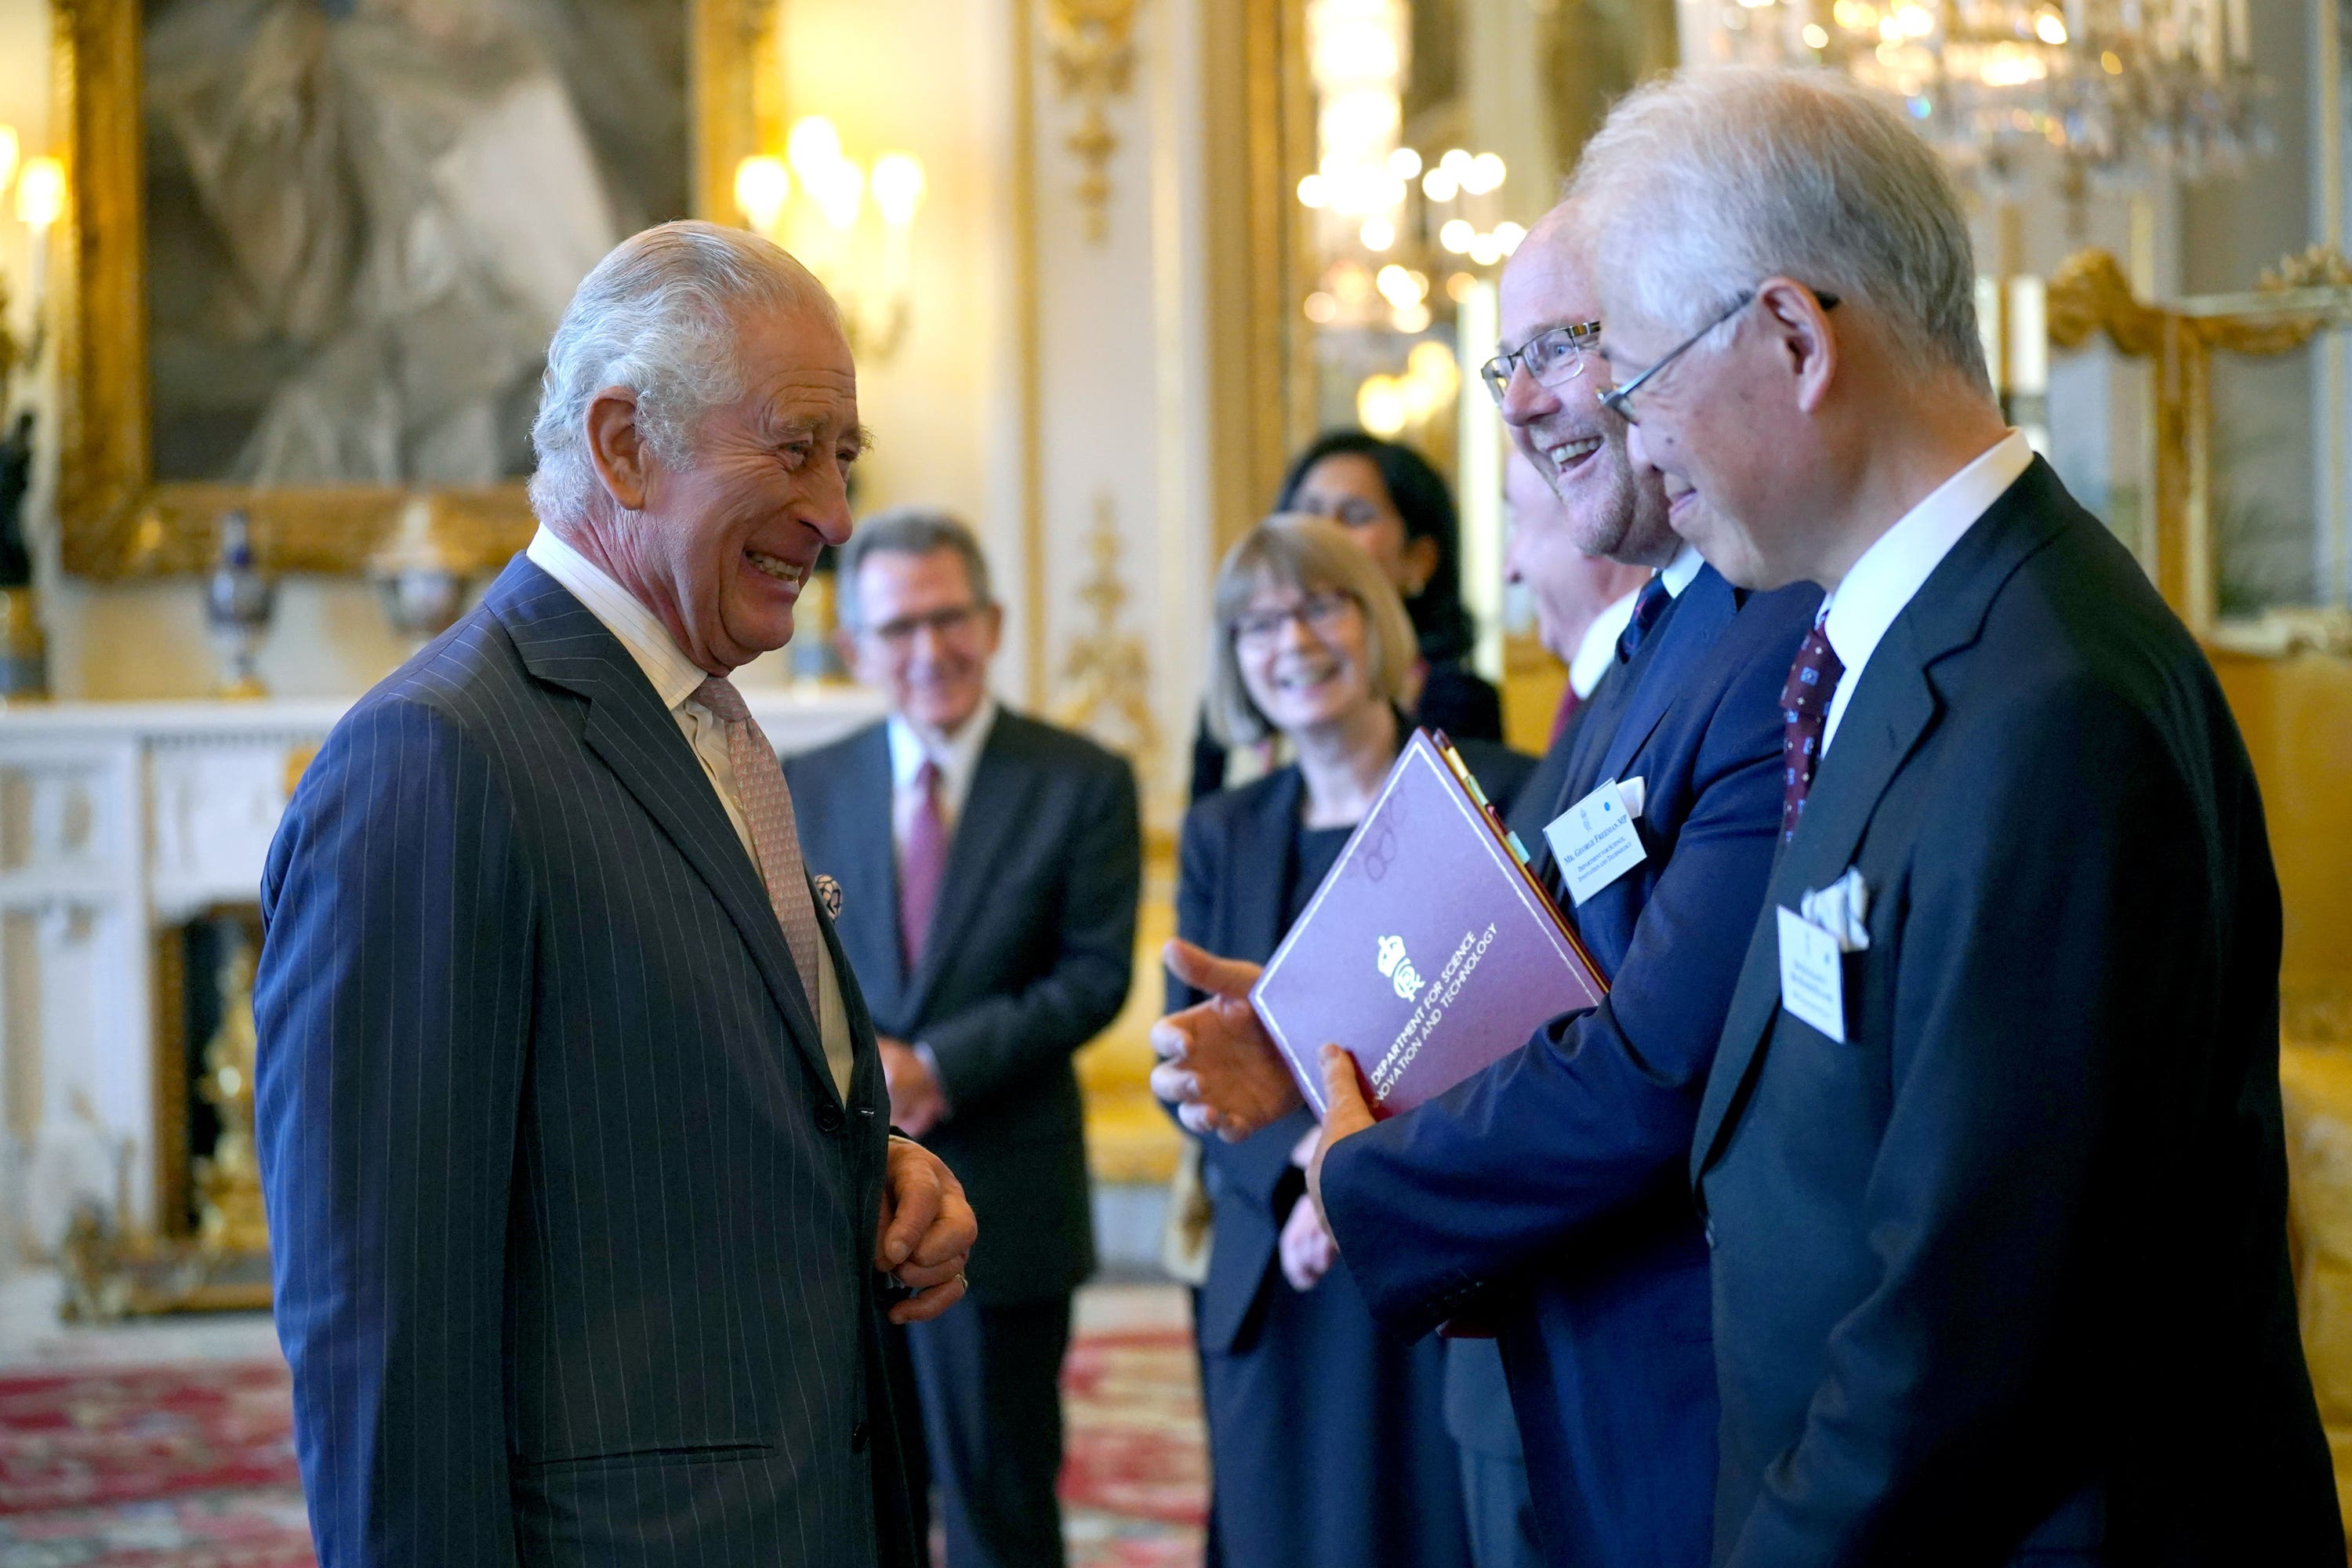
x,y
1428,952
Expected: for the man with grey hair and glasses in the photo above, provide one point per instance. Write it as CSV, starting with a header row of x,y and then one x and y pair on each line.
x,y
1544,1195
584,1210
991,865
1990,1157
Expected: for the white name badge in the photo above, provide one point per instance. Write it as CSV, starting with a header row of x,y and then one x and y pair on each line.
x,y
1812,976
1595,840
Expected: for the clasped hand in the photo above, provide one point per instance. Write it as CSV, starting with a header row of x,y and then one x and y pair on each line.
x,y
925,1234
1220,1070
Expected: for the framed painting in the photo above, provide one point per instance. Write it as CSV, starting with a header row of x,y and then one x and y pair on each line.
x,y
318,247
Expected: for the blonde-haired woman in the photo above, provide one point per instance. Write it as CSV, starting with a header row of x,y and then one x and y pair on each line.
x,y
1327,1438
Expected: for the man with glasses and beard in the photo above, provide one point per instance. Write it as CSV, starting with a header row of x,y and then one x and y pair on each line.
x,y
1545,1194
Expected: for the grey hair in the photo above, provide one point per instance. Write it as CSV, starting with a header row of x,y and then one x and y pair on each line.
x,y
908,531
1707,182
661,316
1310,554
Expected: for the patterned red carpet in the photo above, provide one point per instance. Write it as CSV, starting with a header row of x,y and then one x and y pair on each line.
x,y
192,1464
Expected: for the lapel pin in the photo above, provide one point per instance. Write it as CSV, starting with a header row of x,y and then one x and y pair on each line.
x,y
828,892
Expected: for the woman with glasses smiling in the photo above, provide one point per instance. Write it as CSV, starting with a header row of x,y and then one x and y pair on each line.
x,y
1392,505
1327,1440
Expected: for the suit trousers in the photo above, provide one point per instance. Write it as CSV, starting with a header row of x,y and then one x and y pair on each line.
x,y
990,1378
1501,1510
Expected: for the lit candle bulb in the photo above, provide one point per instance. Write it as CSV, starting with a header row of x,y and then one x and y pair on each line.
x,y
897,185
40,201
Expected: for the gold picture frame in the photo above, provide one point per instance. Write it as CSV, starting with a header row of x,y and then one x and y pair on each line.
x,y
116,519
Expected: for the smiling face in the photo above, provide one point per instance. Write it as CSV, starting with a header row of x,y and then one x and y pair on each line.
x,y
922,635
1304,654
719,546
1727,426
1613,506
1347,487
1566,588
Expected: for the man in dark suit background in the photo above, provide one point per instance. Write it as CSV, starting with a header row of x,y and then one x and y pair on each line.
x,y
990,869
1548,1192
1992,1154
572,1126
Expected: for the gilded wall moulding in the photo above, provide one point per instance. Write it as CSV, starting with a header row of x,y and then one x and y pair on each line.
x,y
1091,45
310,277
1106,675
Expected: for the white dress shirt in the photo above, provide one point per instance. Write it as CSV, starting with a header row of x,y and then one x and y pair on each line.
x,y
1598,649
1889,574
1678,574
958,760
675,678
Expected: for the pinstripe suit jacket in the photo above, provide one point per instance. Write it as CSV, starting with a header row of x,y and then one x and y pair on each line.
x,y
571,1232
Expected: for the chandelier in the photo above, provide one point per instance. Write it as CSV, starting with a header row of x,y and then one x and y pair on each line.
x,y
2110,85
848,223
1387,222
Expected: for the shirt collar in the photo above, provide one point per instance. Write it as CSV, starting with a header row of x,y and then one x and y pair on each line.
x,y
1676,575
1598,651
1888,574
958,761
674,676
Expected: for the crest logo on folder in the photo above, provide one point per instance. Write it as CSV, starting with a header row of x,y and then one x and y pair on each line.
x,y
1398,969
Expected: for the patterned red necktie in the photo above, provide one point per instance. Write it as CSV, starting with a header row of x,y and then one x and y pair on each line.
x,y
922,864
1805,713
1568,703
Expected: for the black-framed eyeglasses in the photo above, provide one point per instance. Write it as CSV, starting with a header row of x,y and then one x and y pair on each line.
x,y
1619,399
1554,358
1321,614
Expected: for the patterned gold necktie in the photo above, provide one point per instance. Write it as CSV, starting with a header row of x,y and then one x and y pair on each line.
x,y
776,836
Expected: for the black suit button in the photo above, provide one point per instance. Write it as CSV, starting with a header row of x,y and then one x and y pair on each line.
x,y
858,1439
828,1118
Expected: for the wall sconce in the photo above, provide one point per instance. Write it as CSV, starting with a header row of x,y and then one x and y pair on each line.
x,y
814,200
40,200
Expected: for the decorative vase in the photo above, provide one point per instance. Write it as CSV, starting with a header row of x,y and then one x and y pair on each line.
x,y
423,591
237,603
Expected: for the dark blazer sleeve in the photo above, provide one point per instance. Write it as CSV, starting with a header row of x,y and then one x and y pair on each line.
x,y
1598,1110
393,1000
2035,942
1460,701
1003,1039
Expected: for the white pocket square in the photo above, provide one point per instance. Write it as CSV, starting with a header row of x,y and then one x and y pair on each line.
x,y
1842,909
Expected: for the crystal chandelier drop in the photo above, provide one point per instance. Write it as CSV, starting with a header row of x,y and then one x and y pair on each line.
x,y
2113,86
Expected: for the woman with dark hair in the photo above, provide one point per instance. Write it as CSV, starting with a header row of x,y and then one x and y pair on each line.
x,y
1397,510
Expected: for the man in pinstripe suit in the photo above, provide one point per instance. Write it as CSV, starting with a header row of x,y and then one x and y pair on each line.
x,y
574,1131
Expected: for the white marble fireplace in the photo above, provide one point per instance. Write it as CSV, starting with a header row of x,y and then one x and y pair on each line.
x,y
120,821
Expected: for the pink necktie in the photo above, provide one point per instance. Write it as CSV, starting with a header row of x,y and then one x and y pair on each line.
x,y
776,836
922,864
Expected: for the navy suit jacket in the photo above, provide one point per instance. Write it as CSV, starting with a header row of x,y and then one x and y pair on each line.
x,y
1030,954
572,1233
1551,1185
2005,1272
